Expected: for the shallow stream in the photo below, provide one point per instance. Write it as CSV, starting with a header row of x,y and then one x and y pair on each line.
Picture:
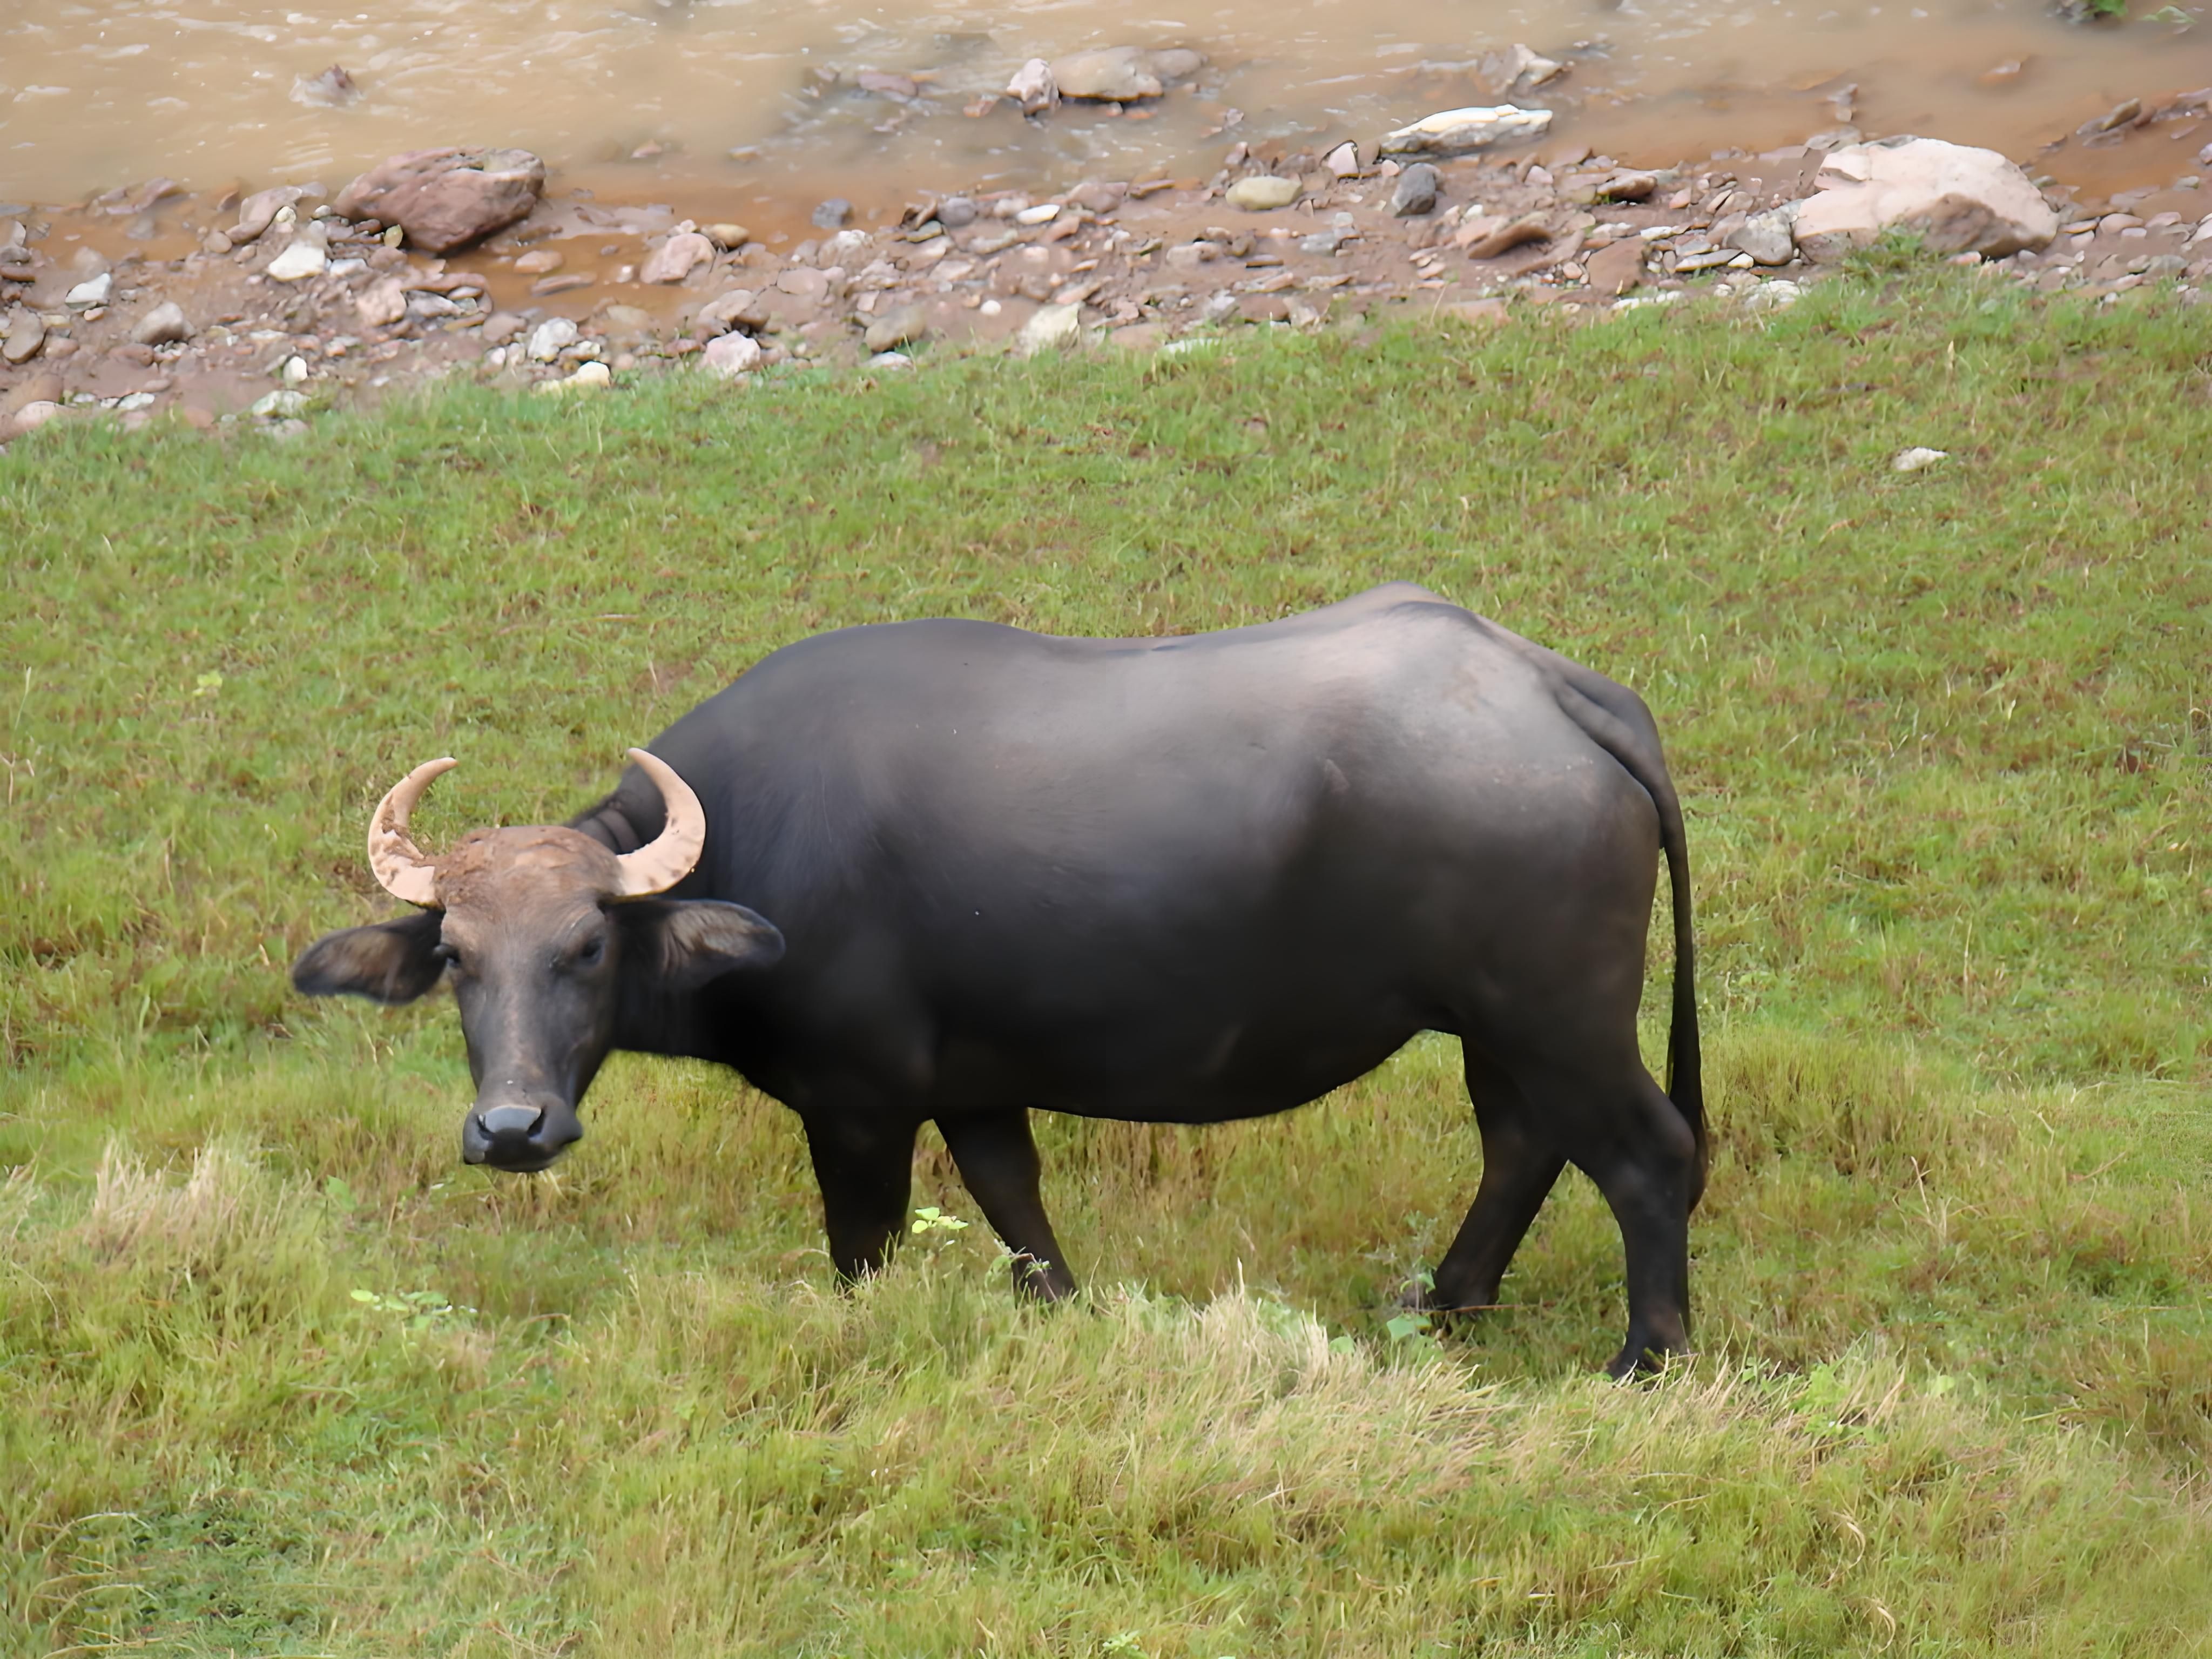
x,y
649,99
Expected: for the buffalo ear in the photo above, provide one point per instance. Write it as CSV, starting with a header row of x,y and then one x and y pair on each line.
x,y
684,943
388,962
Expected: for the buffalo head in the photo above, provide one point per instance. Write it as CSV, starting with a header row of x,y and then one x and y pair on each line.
x,y
551,941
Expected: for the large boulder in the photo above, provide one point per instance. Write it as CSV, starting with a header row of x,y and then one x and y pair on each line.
x,y
1123,73
446,198
1962,200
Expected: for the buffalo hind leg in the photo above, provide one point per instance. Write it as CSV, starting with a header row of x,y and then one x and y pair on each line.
x,y
1519,1169
1624,1133
865,1171
997,1156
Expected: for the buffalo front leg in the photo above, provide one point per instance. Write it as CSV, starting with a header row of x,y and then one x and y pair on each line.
x,y
998,1160
1519,1169
865,1171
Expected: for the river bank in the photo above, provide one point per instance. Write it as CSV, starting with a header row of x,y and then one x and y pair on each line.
x,y
150,301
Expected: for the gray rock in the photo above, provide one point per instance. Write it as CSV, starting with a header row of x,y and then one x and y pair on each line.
x,y
1217,308
279,404
956,213
501,327
676,258
551,337
833,214
26,336
165,325
260,211
897,328
1521,69
1416,193
740,308
443,199
1767,236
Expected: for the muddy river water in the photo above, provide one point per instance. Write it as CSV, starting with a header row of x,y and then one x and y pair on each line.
x,y
759,101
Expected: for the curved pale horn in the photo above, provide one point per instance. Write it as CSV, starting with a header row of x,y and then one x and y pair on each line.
x,y
668,857
392,854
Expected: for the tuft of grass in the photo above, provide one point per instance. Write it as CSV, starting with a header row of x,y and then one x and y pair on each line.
x,y
278,1374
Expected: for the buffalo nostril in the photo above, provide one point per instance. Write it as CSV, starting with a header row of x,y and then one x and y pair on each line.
x,y
506,1121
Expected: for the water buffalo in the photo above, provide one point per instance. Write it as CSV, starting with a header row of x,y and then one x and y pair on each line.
x,y
952,871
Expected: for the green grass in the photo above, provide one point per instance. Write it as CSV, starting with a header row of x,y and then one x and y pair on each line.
x,y
278,1377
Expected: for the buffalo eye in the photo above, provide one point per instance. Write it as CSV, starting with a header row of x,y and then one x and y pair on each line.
x,y
590,953
450,955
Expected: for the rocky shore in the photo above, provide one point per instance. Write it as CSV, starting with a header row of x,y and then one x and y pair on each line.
x,y
267,307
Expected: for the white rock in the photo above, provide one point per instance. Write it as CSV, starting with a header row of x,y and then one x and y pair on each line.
x,y
551,336
1262,193
730,355
1960,198
131,402
588,377
1778,294
1455,131
890,360
1052,327
1033,87
295,372
302,259
1043,214
382,303
279,404
1911,460
29,418
94,291
1343,161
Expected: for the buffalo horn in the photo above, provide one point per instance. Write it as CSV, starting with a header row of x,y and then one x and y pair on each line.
x,y
392,854
668,857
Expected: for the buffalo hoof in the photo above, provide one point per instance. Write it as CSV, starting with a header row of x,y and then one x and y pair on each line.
x,y
1639,1360
1415,1296
1042,1281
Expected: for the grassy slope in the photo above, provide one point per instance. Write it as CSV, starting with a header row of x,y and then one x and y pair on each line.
x,y
1944,741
